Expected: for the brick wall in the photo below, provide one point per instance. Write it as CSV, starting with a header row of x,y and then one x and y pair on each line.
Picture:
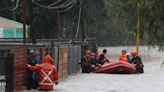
x,y
20,71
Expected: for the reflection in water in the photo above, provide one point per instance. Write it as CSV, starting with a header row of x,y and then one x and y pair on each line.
x,y
2,86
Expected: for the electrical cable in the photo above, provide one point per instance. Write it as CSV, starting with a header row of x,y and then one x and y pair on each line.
x,y
16,6
66,8
12,9
66,4
78,23
54,3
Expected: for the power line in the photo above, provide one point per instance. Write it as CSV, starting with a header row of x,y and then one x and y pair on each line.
x,y
54,3
12,9
79,19
66,8
67,4
16,6
64,5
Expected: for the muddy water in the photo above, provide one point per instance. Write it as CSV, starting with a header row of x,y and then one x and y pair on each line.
x,y
151,81
147,53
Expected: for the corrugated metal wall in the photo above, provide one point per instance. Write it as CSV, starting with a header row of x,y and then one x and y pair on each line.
x,y
67,55
73,59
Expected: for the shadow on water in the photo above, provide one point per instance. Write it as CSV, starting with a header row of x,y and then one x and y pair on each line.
x,y
2,83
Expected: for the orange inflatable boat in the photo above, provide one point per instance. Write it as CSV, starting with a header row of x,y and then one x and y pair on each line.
x,y
119,67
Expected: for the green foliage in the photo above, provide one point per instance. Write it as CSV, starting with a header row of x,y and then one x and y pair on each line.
x,y
152,17
112,22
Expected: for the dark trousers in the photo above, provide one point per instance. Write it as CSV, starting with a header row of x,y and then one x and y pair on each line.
x,y
32,83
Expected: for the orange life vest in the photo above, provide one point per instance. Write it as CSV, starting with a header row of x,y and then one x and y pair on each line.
x,y
124,57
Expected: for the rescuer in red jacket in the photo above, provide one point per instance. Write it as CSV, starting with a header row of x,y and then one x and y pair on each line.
x,y
47,73
136,60
101,58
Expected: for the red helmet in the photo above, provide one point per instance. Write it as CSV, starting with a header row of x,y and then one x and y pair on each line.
x,y
134,53
88,52
93,54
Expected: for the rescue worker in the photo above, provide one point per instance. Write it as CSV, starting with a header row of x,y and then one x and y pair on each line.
x,y
136,60
124,56
47,73
32,60
86,64
129,57
101,58
93,59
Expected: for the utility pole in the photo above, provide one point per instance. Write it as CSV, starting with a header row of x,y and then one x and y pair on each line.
x,y
138,27
31,24
24,20
82,20
60,24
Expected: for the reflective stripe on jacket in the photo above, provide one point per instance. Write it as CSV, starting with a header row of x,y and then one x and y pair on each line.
x,y
47,73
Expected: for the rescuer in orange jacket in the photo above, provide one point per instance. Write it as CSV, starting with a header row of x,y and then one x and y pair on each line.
x,y
47,73
123,56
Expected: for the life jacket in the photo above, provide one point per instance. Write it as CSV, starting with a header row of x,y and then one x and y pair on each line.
x,y
47,73
137,60
124,57
138,64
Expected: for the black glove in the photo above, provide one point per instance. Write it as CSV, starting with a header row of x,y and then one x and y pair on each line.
x,y
56,83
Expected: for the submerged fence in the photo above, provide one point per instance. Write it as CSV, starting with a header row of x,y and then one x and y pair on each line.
x,y
66,59
13,71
